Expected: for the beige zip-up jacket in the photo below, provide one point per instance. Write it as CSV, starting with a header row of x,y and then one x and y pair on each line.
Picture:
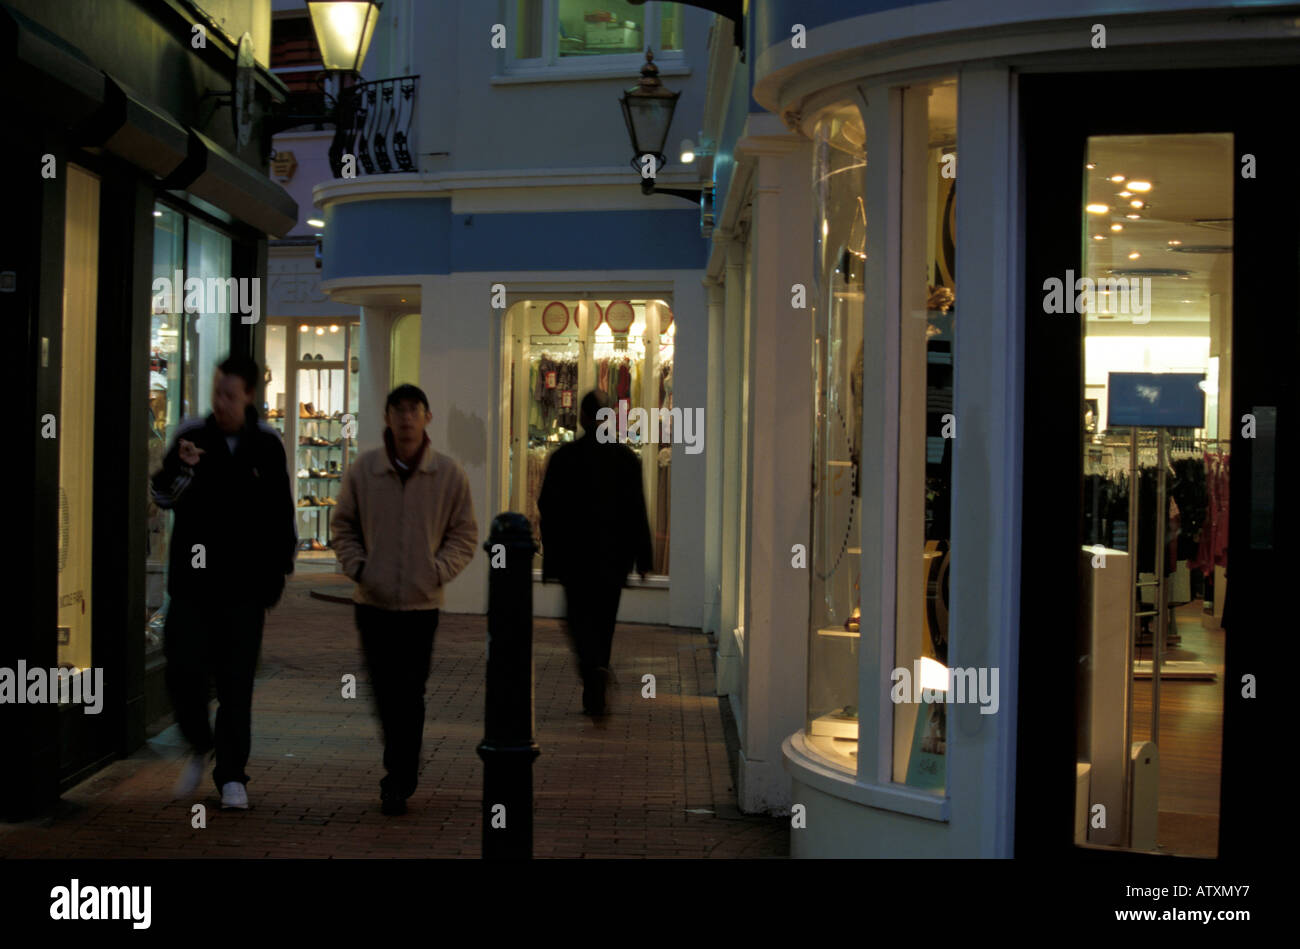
x,y
402,543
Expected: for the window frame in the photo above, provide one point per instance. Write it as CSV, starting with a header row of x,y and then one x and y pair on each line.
x,y
551,65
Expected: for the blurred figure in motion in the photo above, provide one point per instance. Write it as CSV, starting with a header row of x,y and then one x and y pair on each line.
x,y
403,529
594,530
226,481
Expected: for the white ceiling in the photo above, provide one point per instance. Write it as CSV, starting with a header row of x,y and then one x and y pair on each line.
x,y
1190,201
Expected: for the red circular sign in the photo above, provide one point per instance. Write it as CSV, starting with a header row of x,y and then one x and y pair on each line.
x,y
620,316
593,307
555,318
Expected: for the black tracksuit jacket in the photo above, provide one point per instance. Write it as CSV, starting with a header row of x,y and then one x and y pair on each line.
x,y
238,507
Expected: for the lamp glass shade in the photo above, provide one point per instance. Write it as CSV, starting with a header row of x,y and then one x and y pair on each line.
x,y
343,31
648,118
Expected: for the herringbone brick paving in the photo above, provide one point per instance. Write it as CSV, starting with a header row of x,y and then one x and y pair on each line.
x,y
652,780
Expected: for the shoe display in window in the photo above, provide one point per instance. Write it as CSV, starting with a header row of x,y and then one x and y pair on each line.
x,y
303,473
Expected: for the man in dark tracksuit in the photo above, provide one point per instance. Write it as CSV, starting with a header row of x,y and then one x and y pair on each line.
x,y
594,530
233,540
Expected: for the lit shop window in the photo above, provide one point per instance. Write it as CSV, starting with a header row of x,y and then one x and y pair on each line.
x,y
188,337
547,31
76,432
558,350
840,252
925,443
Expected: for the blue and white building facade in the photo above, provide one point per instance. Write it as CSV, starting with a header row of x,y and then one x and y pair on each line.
x,y
523,202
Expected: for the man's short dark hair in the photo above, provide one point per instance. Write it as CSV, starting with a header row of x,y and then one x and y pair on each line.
x,y
406,393
237,364
589,410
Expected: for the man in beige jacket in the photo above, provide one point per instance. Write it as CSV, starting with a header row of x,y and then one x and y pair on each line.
x,y
403,529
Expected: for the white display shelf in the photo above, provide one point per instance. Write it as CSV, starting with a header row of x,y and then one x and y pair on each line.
x,y
839,631
834,726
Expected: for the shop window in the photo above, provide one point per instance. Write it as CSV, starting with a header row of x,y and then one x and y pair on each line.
x,y
547,32
76,420
185,349
838,297
207,334
1156,313
558,350
311,400
919,683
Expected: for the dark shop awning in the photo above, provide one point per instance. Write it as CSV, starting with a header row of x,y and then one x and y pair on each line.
x,y
213,174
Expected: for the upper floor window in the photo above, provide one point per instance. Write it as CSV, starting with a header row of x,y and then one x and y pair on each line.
x,y
590,35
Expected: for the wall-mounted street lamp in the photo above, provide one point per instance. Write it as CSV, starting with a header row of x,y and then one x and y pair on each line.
x,y
343,31
648,113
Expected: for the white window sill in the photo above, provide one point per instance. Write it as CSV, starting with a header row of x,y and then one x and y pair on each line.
x,y
651,582
806,765
567,73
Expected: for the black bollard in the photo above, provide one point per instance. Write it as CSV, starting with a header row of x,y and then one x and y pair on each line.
x,y
508,749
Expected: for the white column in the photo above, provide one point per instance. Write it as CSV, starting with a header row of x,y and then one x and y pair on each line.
x,y
780,451
460,370
988,356
713,474
376,339
729,656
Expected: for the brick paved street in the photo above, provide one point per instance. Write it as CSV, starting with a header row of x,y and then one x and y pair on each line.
x,y
652,780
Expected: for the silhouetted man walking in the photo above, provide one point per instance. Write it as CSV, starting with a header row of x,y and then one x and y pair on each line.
x,y
233,540
594,530
403,529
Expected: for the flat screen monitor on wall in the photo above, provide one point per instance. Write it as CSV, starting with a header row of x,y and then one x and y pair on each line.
x,y
1155,399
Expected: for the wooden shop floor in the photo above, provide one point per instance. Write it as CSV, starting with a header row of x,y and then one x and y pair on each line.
x,y
1191,738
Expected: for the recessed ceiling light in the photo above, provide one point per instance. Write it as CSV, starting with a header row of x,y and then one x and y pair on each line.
x,y
1117,178
1124,194
303,328
1097,208
1134,255
1133,217
1186,301
1136,203
1090,166
1117,227
1174,243
1098,237
1143,186
315,222
157,214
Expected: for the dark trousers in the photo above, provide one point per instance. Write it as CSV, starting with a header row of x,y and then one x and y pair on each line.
x,y
398,646
592,608
221,638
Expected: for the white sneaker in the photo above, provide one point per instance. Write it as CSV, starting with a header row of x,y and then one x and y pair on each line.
x,y
234,794
191,775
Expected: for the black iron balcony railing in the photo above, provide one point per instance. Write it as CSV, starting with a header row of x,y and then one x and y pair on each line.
x,y
376,124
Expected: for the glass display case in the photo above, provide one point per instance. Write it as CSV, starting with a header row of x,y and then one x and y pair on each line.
x,y
834,559
926,433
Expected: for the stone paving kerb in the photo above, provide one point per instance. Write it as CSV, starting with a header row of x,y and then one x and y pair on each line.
x,y
651,780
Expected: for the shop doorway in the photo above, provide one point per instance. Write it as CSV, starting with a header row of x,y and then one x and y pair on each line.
x,y
1160,328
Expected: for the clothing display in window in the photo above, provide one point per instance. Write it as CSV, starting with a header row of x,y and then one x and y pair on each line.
x,y
549,378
